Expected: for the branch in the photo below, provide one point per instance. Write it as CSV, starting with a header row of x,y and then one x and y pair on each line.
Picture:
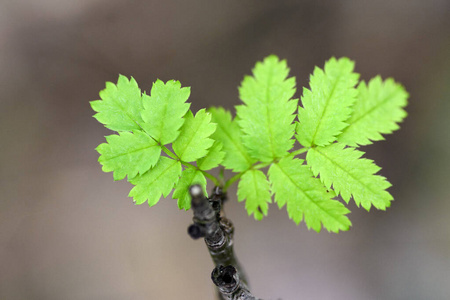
x,y
229,284
217,232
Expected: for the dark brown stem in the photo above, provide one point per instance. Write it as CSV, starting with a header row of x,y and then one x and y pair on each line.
x,y
215,229
229,285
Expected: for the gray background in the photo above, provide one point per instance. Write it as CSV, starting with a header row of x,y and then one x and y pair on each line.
x,y
67,231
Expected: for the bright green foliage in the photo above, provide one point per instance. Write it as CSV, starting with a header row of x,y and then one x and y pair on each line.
x,y
328,104
254,187
164,110
213,158
378,109
159,181
137,154
267,117
194,142
334,119
189,177
228,132
350,175
121,105
294,185
128,154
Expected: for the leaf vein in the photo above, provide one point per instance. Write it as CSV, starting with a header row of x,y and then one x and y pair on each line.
x,y
325,109
130,152
347,172
373,108
311,199
235,143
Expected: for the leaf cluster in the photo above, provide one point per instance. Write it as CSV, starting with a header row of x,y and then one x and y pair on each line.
x,y
161,145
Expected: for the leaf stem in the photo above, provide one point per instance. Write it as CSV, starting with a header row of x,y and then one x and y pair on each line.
x,y
232,180
170,153
299,151
221,176
211,177
259,166
206,174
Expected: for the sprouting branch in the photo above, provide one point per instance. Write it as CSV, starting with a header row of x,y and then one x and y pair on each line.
x,y
216,230
230,286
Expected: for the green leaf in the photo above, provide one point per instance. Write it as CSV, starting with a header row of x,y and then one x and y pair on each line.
x,y
164,110
193,141
327,105
229,133
267,117
188,177
213,158
128,154
350,175
121,105
377,111
156,182
254,188
306,197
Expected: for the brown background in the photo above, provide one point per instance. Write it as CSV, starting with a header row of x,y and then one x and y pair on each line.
x,y
67,231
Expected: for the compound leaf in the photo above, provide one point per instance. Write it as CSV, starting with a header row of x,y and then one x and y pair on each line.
x,y
327,105
193,141
188,177
255,190
229,133
266,118
213,158
350,175
156,182
377,111
164,110
293,184
128,154
121,105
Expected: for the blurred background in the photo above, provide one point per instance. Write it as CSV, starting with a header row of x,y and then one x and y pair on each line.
x,y
67,231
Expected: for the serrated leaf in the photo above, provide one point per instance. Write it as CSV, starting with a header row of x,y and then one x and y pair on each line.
x,y
121,105
229,133
213,158
164,110
188,177
254,188
350,175
128,154
267,116
156,182
327,105
293,184
377,111
193,141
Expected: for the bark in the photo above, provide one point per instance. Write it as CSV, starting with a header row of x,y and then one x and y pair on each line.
x,y
229,285
217,231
